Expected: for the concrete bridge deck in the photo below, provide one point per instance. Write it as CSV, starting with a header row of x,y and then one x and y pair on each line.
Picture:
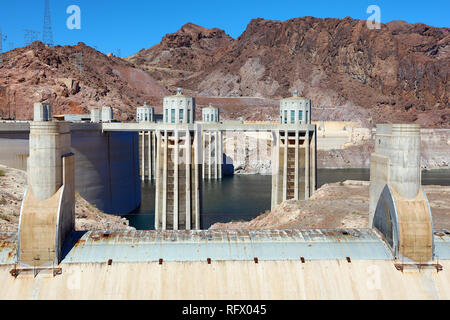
x,y
152,126
142,126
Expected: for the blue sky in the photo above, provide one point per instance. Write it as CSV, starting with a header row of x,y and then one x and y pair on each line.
x,y
135,24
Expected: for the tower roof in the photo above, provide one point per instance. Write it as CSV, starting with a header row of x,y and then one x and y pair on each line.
x,y
295,97
179,94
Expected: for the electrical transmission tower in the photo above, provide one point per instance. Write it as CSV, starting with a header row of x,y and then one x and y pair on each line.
x,y
47,35
30,36
2,38
77,60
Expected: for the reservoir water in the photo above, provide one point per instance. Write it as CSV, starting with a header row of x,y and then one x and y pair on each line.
x,y
244,197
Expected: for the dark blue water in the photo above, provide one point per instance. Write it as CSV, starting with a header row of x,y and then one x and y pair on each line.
x,y
244,197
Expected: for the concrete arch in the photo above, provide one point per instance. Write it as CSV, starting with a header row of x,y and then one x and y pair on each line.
x,y
406,225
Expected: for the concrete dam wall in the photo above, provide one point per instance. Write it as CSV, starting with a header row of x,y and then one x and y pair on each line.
x,y
106,165
250,152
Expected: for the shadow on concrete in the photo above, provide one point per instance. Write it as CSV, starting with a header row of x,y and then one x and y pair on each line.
x,y
228,166
71,242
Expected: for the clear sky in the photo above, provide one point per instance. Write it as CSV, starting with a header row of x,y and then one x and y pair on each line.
x,y
135,24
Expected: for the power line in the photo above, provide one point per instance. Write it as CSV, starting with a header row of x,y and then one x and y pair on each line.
x,y
47,34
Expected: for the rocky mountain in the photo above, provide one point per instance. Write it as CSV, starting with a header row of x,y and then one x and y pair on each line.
x,y
182,54
74,79
396,73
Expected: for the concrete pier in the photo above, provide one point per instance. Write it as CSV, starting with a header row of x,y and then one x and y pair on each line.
x,y
212,145
147,155
396,162
178,179
399,208
293,165
48,210
294,152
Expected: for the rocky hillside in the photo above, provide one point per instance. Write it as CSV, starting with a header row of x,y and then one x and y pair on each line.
x,y
398,73
337,205
87,217
74,79
182,54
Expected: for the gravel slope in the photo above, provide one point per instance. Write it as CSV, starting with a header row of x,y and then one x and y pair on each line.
x,y
12,188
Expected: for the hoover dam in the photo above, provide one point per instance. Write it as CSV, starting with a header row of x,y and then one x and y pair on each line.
x,y
400,255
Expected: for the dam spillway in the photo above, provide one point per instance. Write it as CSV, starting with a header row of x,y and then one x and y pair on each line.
x,y
236,264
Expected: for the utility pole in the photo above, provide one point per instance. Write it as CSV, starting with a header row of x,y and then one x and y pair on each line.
x,y
47,34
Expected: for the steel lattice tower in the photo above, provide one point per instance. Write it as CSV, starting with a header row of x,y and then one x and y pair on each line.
x,y
1,46
47,35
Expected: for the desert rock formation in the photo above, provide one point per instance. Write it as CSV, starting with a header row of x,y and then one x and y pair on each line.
x,y
398,73
74,79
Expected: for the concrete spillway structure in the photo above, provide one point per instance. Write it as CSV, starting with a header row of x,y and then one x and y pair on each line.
x,y
48,210
234,264
399,208
178,179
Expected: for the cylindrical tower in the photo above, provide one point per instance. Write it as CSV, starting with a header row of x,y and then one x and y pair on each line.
x,y
49,141
179,108
145,114
107,114
95,115
295,110
401,144
210,114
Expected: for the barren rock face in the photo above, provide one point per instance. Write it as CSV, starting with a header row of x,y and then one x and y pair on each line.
x,y
182,54
74,79
396,74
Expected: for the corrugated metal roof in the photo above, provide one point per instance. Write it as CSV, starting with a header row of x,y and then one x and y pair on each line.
x,y
145,246
266,245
